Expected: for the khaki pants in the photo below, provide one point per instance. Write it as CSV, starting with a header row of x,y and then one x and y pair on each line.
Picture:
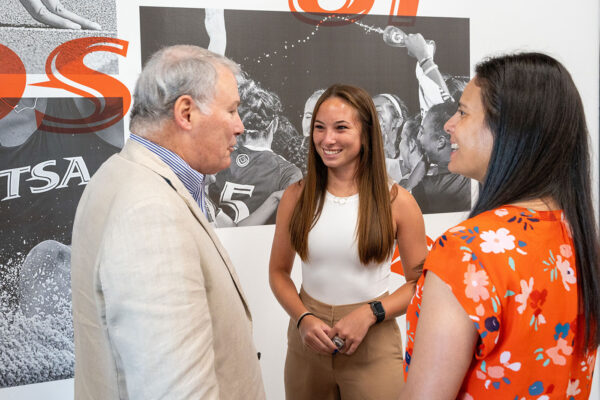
x,y
374,371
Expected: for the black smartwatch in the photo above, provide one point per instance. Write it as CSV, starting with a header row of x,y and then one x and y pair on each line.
x,y
378,311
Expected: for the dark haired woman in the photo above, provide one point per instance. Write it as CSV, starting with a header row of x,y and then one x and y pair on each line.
x,y
342,220
509,302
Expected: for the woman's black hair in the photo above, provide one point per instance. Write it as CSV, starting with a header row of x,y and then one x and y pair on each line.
x,y
541,150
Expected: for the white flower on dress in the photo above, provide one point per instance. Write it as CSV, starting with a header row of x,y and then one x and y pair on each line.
x,y
476,282
480,310
573,388
567,273
562,346
497,242
501,212
522,298
566,251
505,360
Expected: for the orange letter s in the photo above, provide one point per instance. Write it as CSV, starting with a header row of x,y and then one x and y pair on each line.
x,y
66,70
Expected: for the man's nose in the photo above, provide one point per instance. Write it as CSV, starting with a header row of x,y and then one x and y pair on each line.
x,y
239,126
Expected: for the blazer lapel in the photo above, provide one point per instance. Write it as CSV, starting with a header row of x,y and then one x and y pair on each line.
x,y
137,153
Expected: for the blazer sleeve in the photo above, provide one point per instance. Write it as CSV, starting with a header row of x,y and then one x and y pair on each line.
x,y
156,309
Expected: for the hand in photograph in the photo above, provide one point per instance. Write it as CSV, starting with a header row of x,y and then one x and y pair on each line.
x,y
417,47
54,14
424,50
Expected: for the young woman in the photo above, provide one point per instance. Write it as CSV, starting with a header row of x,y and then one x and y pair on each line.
x,y
343,221
509,302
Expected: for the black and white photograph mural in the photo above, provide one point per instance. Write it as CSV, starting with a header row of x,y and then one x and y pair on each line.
x,y
48,153
49,148
67,70
34,28
415,74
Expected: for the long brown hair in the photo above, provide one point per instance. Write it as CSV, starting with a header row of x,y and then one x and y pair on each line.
x,y
375,231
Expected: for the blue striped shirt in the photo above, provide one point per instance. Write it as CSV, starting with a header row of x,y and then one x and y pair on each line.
x,y
191,179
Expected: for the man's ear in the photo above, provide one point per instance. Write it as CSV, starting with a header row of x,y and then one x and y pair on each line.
x,y
182,111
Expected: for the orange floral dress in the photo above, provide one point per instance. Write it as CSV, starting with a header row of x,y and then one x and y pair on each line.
x,y
513,271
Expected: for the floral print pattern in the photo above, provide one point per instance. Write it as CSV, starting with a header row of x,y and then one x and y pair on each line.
x,y
513,271
476,282
566,272
497,242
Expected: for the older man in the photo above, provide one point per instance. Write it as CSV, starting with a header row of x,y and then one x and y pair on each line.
x,y
158,309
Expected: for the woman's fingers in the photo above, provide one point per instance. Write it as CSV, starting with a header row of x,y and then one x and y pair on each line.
x,y
314,333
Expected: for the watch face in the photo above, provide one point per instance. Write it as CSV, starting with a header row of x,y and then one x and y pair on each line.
x,y
379,307
378,310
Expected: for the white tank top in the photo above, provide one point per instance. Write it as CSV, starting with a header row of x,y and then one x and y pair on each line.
x,y
333,273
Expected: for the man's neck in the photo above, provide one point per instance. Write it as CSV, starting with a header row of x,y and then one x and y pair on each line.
x,y
164,136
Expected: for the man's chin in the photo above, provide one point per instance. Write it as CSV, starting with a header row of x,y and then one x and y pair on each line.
x,y
225,165
214,169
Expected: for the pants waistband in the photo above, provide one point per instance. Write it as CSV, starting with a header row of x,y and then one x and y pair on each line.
x,y
327,311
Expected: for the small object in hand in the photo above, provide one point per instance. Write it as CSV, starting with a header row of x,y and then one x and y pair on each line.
x,y
338,341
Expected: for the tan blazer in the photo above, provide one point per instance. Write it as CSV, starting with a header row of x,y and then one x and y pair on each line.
x,y
158,309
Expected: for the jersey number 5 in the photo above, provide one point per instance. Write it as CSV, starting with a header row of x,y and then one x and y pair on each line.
x,y
233,196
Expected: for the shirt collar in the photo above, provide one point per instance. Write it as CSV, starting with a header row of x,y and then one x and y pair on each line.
x,y
191,179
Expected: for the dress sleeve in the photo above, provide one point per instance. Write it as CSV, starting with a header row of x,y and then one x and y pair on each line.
x,y
453,261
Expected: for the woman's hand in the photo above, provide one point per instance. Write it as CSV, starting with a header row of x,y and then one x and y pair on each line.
x,y
353,328
315,335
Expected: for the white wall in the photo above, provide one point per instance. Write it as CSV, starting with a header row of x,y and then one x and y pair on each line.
x,y
568,31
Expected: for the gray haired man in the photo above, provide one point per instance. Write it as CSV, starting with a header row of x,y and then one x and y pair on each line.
x,y
157,306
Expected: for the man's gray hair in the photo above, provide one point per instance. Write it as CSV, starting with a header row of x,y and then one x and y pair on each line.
x,y
170,73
